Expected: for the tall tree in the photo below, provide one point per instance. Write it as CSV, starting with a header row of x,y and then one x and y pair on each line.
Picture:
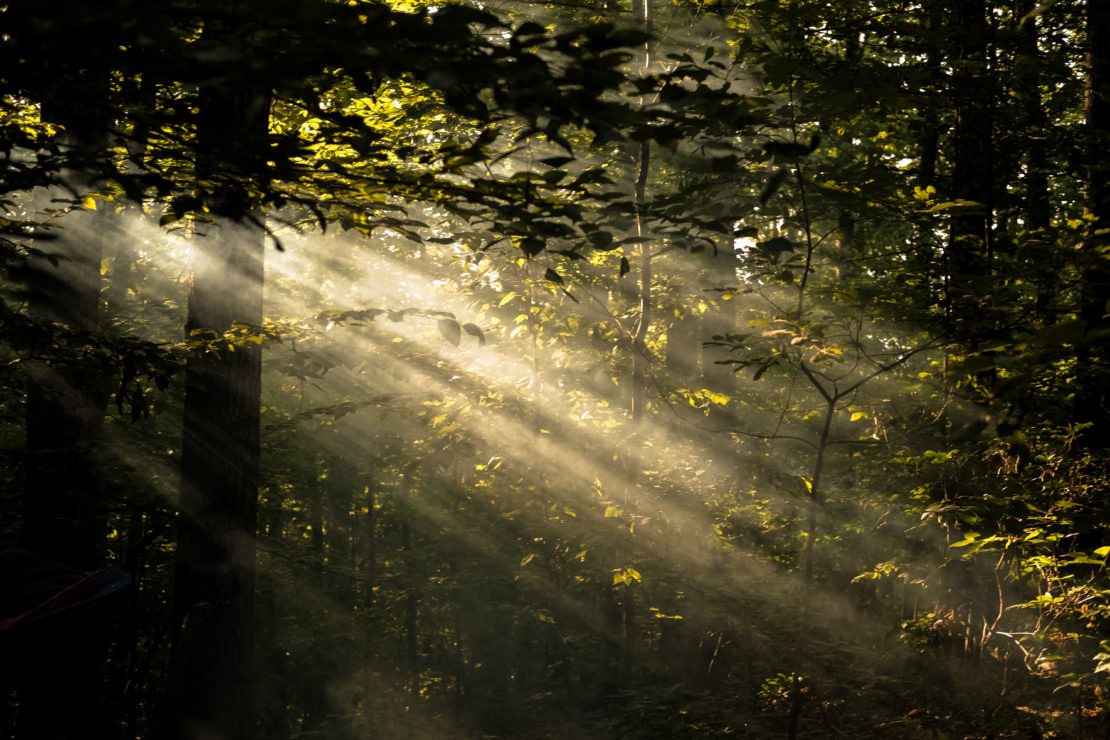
x,y
1027,84
968,253
65,402
1092,405
212,686
642,12
63,506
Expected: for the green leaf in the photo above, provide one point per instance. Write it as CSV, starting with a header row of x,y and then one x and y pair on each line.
x,y
476,332
772,186
969,539
966,207
718,398
450,330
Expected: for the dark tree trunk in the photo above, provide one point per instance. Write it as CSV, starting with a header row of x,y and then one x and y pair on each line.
x,y
968,255
370,566
412,606
65,401
928,261
342,481
1092,405
58,681
1037,205
213,676
314,492
1037,250
642,12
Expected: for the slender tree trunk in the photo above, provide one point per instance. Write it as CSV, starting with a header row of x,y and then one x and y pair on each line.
x,y
929,137
630,634
339,497
971,171
370,568
1038,205
642,11
65,402
1038,251
213,676
640,361
314,492
969,248
412,607
62,517
1091,402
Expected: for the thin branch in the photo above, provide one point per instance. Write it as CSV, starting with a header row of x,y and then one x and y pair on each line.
x,y
815,382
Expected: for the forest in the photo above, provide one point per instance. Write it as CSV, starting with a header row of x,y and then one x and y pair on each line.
x,y
582,369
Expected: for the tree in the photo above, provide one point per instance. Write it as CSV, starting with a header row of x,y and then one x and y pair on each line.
x,y
1095,290
968,255
63,502
66,403
214,676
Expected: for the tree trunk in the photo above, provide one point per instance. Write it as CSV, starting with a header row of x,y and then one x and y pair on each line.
x,y
62,516
213,676
1037,205
928,132
968,254
1039,256
642,12
65,402
929,136
340,497
1094,358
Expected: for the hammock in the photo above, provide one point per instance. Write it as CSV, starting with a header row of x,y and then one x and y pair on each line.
x,y
83,603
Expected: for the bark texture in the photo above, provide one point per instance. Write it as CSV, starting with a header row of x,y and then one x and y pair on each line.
x,y
968,255
213,674
1094,357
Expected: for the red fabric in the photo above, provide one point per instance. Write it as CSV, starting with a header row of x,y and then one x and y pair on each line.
x,y
57,601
